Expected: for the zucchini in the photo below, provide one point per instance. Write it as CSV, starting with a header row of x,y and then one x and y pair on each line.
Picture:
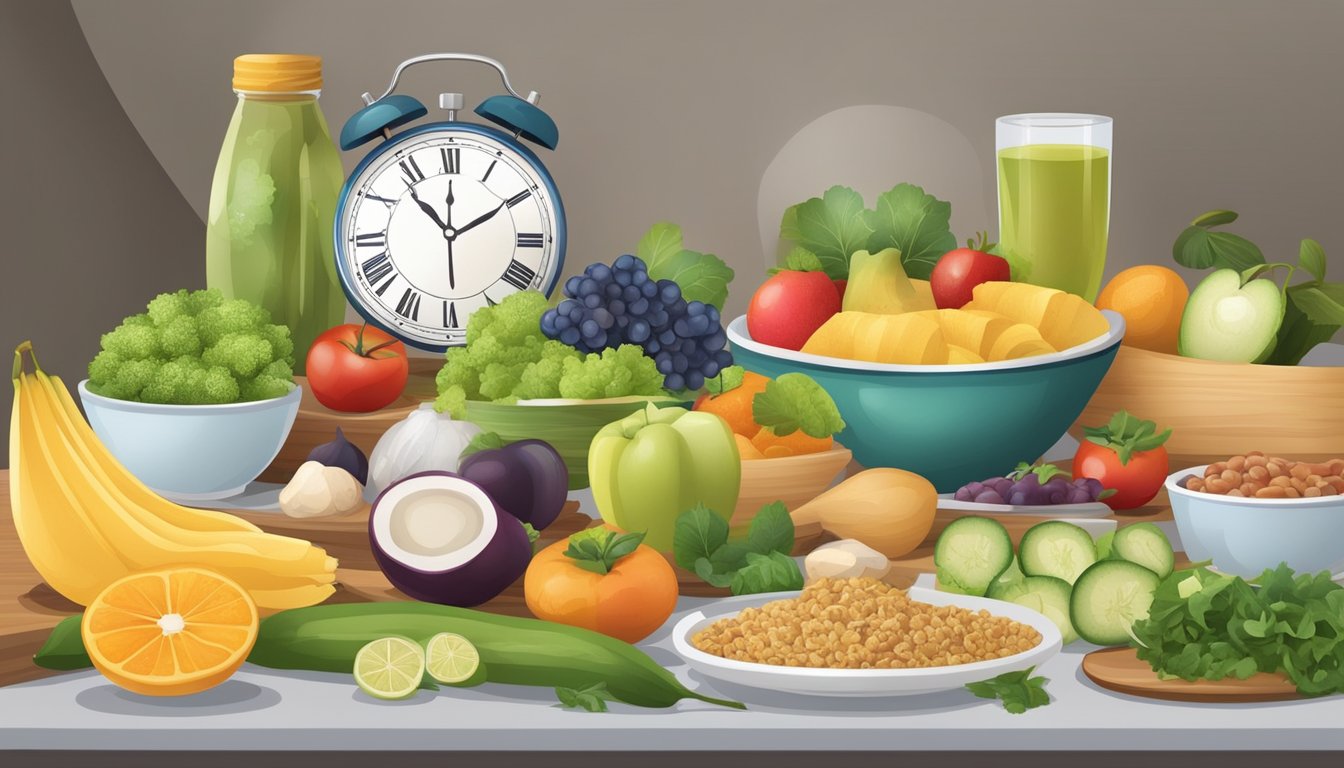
x,y
1108,598
1056,548
971,553
1046,595
1146,545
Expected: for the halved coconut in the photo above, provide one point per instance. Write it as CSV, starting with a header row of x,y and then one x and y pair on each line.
x,y
440,538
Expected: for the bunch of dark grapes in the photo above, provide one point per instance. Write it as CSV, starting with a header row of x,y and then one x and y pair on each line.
x,y
608,306
1030,491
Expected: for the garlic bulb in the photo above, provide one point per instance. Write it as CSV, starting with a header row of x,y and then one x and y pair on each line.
x,y
425,440
319,491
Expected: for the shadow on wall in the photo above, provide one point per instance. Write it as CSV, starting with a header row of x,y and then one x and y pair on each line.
x,y
871,149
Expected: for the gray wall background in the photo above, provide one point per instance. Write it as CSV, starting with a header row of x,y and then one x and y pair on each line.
x,y
667,111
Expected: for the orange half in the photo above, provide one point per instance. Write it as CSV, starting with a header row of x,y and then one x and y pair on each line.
x,y
171,632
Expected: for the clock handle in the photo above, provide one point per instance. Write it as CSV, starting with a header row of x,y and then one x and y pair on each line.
x,y
403,66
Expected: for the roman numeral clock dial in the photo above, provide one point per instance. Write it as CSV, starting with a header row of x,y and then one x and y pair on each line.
x,y
442,223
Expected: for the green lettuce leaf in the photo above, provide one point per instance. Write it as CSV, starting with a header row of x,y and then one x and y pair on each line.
x,y
915,223
832,227
703,277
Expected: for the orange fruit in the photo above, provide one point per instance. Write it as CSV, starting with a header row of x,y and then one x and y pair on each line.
x,y
734,406
796,443
1152,300
170,632
746,449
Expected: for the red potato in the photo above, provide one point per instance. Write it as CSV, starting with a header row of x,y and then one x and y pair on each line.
x,y
790,306
958,272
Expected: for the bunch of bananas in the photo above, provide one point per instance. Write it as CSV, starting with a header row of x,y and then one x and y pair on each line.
x,y
85,521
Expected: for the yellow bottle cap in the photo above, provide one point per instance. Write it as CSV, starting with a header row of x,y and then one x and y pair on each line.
x,y
277,72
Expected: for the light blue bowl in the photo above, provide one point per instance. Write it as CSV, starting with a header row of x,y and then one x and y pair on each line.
x,y
950,423
193,453
1244,537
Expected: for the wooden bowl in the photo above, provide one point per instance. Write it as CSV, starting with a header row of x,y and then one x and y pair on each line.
x,y
1216,410
793,480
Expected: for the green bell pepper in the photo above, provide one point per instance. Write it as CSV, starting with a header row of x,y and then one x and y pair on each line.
x,y
651,466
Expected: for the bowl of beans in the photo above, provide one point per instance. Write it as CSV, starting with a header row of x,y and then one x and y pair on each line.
x,y
1252,512
862,637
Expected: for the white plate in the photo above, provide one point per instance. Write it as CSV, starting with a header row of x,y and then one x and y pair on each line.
x,y
963,508
810,681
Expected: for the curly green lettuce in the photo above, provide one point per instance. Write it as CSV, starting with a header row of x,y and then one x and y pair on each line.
x,y
507,359
195,348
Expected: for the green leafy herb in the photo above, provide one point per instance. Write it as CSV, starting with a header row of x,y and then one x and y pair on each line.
x,y
598,549
1311,257
914,222
1207,625
1127,435
831,227
483,441
1042,471
1018,691
800,259
594,698
532,533
795,401
758,563
1105,545
1199,247
729,378
702,276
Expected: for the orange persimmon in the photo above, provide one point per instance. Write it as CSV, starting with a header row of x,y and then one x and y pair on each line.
x,y
734,406
796,443
604,580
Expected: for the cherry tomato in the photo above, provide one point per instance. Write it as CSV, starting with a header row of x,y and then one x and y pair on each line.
x,y
1135,483
789,307
958,272
356,368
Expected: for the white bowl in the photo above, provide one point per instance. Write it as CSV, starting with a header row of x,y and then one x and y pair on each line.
x,y
193,453
811,681
1246,536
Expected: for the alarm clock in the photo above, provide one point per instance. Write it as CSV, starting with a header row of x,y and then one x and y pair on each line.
x,y
445,218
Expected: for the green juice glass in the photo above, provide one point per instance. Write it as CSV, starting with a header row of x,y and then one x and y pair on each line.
x,y
1055,198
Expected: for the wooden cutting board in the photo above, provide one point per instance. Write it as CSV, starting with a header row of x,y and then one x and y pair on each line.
x,y
1120,670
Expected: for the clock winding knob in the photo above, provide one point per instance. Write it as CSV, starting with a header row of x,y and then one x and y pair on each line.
x,y
451,102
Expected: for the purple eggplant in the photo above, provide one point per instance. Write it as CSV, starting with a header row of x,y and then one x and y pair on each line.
x,y
528,479
441,538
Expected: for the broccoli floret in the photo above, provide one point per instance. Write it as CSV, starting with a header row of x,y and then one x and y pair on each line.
x,y
542,378
513,320
452,400
194,348
615,373
178,337
133,342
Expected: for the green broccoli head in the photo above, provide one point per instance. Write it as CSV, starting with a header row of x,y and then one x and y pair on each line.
x,y
192,348
511,321
614,373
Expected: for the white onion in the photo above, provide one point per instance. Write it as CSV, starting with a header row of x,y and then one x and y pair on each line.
x,y
424,441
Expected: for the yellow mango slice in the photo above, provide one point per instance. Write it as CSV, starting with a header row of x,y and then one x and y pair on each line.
x,y
962,356
1063,319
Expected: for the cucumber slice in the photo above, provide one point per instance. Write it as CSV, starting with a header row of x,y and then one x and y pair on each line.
x,y
971,552
1108,598
1056,548
1046,595
1147,545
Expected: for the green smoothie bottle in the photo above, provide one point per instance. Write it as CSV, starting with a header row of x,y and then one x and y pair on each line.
x,y
269,230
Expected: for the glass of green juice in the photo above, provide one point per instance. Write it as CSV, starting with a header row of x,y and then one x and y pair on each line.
x,y
1055,198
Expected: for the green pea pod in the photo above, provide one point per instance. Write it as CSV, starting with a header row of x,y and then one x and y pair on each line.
x,y
651,466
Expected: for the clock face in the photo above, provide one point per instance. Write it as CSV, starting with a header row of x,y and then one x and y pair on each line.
x,y
446,223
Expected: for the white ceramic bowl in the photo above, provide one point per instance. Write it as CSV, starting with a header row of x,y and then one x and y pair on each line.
x,y
1245,536
193,453
811,681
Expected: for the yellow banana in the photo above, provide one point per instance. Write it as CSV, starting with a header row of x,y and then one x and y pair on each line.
x,y
85,521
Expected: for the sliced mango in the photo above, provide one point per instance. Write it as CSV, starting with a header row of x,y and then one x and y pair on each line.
x,y
1063,319
962,356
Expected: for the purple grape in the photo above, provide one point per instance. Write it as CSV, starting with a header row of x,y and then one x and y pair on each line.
x,y
989,497
963,493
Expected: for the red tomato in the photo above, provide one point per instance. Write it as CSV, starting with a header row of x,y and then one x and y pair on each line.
x,y
840,286
356,368
958,272
1135,483
790,306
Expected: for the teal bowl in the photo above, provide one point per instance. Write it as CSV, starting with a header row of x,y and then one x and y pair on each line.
x,y
950,423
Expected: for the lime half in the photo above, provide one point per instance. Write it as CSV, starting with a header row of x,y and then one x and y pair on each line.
x,y
451,658
390,668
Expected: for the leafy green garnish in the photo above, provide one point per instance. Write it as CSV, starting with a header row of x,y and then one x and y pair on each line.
x,y
1127,435
532,533
1314,310
729,378
594,698
827,230
703,277
1018,691
483,441
915,223
1207,625
598,549
795,401
1042,471
758,563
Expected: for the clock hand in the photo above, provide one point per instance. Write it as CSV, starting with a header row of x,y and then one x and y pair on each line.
x,y
452,279
449,223
427,208
480,219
